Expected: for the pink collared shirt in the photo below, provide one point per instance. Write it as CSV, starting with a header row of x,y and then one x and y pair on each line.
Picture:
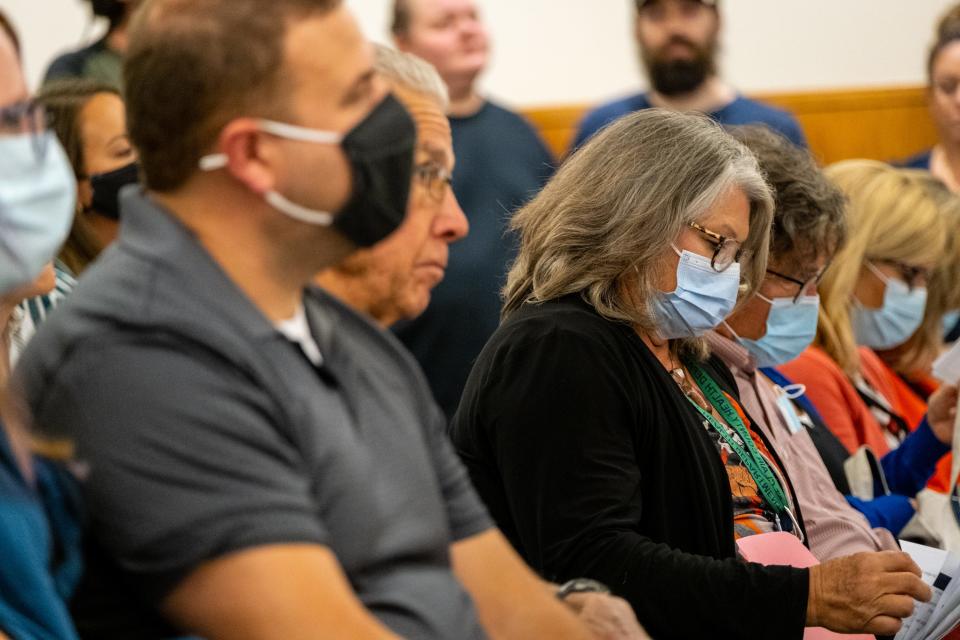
x,y
834,528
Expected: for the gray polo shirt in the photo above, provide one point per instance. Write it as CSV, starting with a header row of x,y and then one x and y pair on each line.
x,y
205,431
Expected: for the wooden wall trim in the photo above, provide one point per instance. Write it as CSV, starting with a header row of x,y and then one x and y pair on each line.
x,y
848,99
881,123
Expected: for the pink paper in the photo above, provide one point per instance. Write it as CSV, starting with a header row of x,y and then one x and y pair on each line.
x,y
784,549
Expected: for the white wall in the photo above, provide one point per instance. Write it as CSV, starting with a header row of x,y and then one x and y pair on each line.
x,y
572,51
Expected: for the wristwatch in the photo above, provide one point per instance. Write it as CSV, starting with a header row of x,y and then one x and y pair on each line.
x,y
581,585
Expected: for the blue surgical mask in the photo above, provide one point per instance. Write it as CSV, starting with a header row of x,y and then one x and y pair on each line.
x,y
37,203
701,301
791,327
950,320
892,324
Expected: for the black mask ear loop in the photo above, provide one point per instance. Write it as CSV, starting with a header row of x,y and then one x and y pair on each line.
x,y
81,208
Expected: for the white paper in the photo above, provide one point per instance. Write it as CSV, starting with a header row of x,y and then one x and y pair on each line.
x,y
947,612
947,366
933,620
931,562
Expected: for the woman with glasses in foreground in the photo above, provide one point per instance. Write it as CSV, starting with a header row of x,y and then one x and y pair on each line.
x,y
873,297
604,440
39,520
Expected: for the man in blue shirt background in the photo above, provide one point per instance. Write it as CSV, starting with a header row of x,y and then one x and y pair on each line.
x,y
501,164
678,48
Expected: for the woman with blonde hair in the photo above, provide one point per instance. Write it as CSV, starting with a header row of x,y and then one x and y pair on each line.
x,y
909,366
915,357
874,297
602,437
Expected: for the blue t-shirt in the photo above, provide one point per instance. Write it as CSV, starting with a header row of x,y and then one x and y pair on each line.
x,y
40,546
739,112
501,165
94,62
919,161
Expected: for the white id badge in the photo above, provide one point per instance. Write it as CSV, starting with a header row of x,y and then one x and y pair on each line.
x,y
789,413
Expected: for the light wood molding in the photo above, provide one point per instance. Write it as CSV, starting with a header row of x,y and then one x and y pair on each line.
x,y
887,123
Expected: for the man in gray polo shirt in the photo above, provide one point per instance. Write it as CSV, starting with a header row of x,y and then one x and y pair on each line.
x,y
260,461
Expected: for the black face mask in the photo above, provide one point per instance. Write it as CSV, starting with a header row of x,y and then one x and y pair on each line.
x,y
380,153
106,189
380,150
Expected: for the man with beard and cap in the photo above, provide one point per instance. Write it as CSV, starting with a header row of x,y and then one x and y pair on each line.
x,y
257,460
678,42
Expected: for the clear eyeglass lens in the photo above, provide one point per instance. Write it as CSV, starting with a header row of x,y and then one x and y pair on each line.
x,y
438,186
30,118
726,255
434,179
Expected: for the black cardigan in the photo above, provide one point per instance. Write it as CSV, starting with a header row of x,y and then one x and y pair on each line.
x,y
594,464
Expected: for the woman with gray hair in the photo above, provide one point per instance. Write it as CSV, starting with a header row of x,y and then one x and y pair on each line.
x,y
603,438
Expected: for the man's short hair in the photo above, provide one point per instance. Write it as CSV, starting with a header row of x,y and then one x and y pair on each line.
x,y
7,27
400,23
640,4
194,65
409,72
113,10
810,216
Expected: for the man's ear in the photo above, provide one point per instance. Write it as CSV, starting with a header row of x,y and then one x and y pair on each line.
x,y
719,19
239,143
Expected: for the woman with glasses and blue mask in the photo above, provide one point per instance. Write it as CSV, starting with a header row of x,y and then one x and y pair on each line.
x,y
775,326
604,439
873,297
909,367
39,527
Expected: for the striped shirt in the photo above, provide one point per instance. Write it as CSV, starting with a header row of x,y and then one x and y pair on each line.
x,y
31,313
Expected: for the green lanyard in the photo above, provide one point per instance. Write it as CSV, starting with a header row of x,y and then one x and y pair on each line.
x,y
757,466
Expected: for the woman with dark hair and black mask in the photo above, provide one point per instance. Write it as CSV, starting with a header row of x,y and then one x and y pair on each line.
x,y
102,60
89,119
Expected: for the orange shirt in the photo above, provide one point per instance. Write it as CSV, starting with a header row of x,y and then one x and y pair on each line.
x,y
847,415
905,403
903,400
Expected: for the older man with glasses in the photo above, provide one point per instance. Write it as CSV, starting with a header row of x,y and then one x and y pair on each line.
x,y
392,280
